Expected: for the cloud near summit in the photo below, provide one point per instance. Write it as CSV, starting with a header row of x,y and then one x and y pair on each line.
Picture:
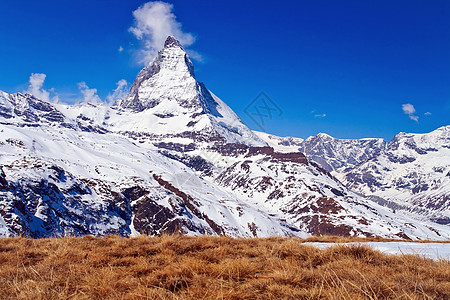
x,y
35,88
153,22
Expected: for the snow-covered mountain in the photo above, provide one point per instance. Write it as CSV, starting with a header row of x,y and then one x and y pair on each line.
x,y
167,100
337,154
22,109
330,153
170,157
58,180
412,174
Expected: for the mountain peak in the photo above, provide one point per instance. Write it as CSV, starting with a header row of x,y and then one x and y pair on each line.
x,y
171,41
168,94
324,135
169,73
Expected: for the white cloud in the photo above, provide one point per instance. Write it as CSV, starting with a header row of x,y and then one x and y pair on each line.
x,y
35,88
89,95
120,92
120,49
427,113
153,23
414,118
410,111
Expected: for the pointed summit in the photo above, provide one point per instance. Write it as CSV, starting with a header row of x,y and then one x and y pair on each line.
x,y
168,74
171,41
167,93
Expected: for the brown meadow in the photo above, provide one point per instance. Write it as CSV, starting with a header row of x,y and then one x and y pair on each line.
x,y
181,267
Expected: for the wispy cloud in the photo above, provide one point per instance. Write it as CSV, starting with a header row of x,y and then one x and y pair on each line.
x,y
153,22
120,92
318,115
195,55
120,49
36,83
409,109
89,95
427,113
36,89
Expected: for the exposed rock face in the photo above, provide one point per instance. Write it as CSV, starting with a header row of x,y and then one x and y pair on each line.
x,y
171,157
3,182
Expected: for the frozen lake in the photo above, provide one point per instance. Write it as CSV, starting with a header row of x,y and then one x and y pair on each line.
x,y
428,250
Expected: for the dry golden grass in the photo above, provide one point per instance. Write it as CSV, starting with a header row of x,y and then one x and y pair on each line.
x,y
180,267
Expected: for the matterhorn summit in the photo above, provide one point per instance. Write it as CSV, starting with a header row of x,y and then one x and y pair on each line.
x,y
170,77
166,97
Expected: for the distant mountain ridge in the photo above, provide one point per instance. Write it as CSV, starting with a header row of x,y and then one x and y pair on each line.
x,y
411,173
331,153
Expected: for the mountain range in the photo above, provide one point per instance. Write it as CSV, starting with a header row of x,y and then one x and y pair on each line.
x,y
171,157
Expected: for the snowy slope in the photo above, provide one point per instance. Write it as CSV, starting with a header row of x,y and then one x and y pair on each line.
x,y
287,185
280,144
66,181
166,102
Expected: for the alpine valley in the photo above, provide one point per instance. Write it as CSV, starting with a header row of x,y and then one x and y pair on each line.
x,y
171,157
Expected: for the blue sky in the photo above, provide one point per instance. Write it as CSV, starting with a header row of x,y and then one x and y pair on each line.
x,y
346,68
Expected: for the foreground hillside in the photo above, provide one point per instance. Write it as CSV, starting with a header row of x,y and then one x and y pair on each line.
x,y
180,267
